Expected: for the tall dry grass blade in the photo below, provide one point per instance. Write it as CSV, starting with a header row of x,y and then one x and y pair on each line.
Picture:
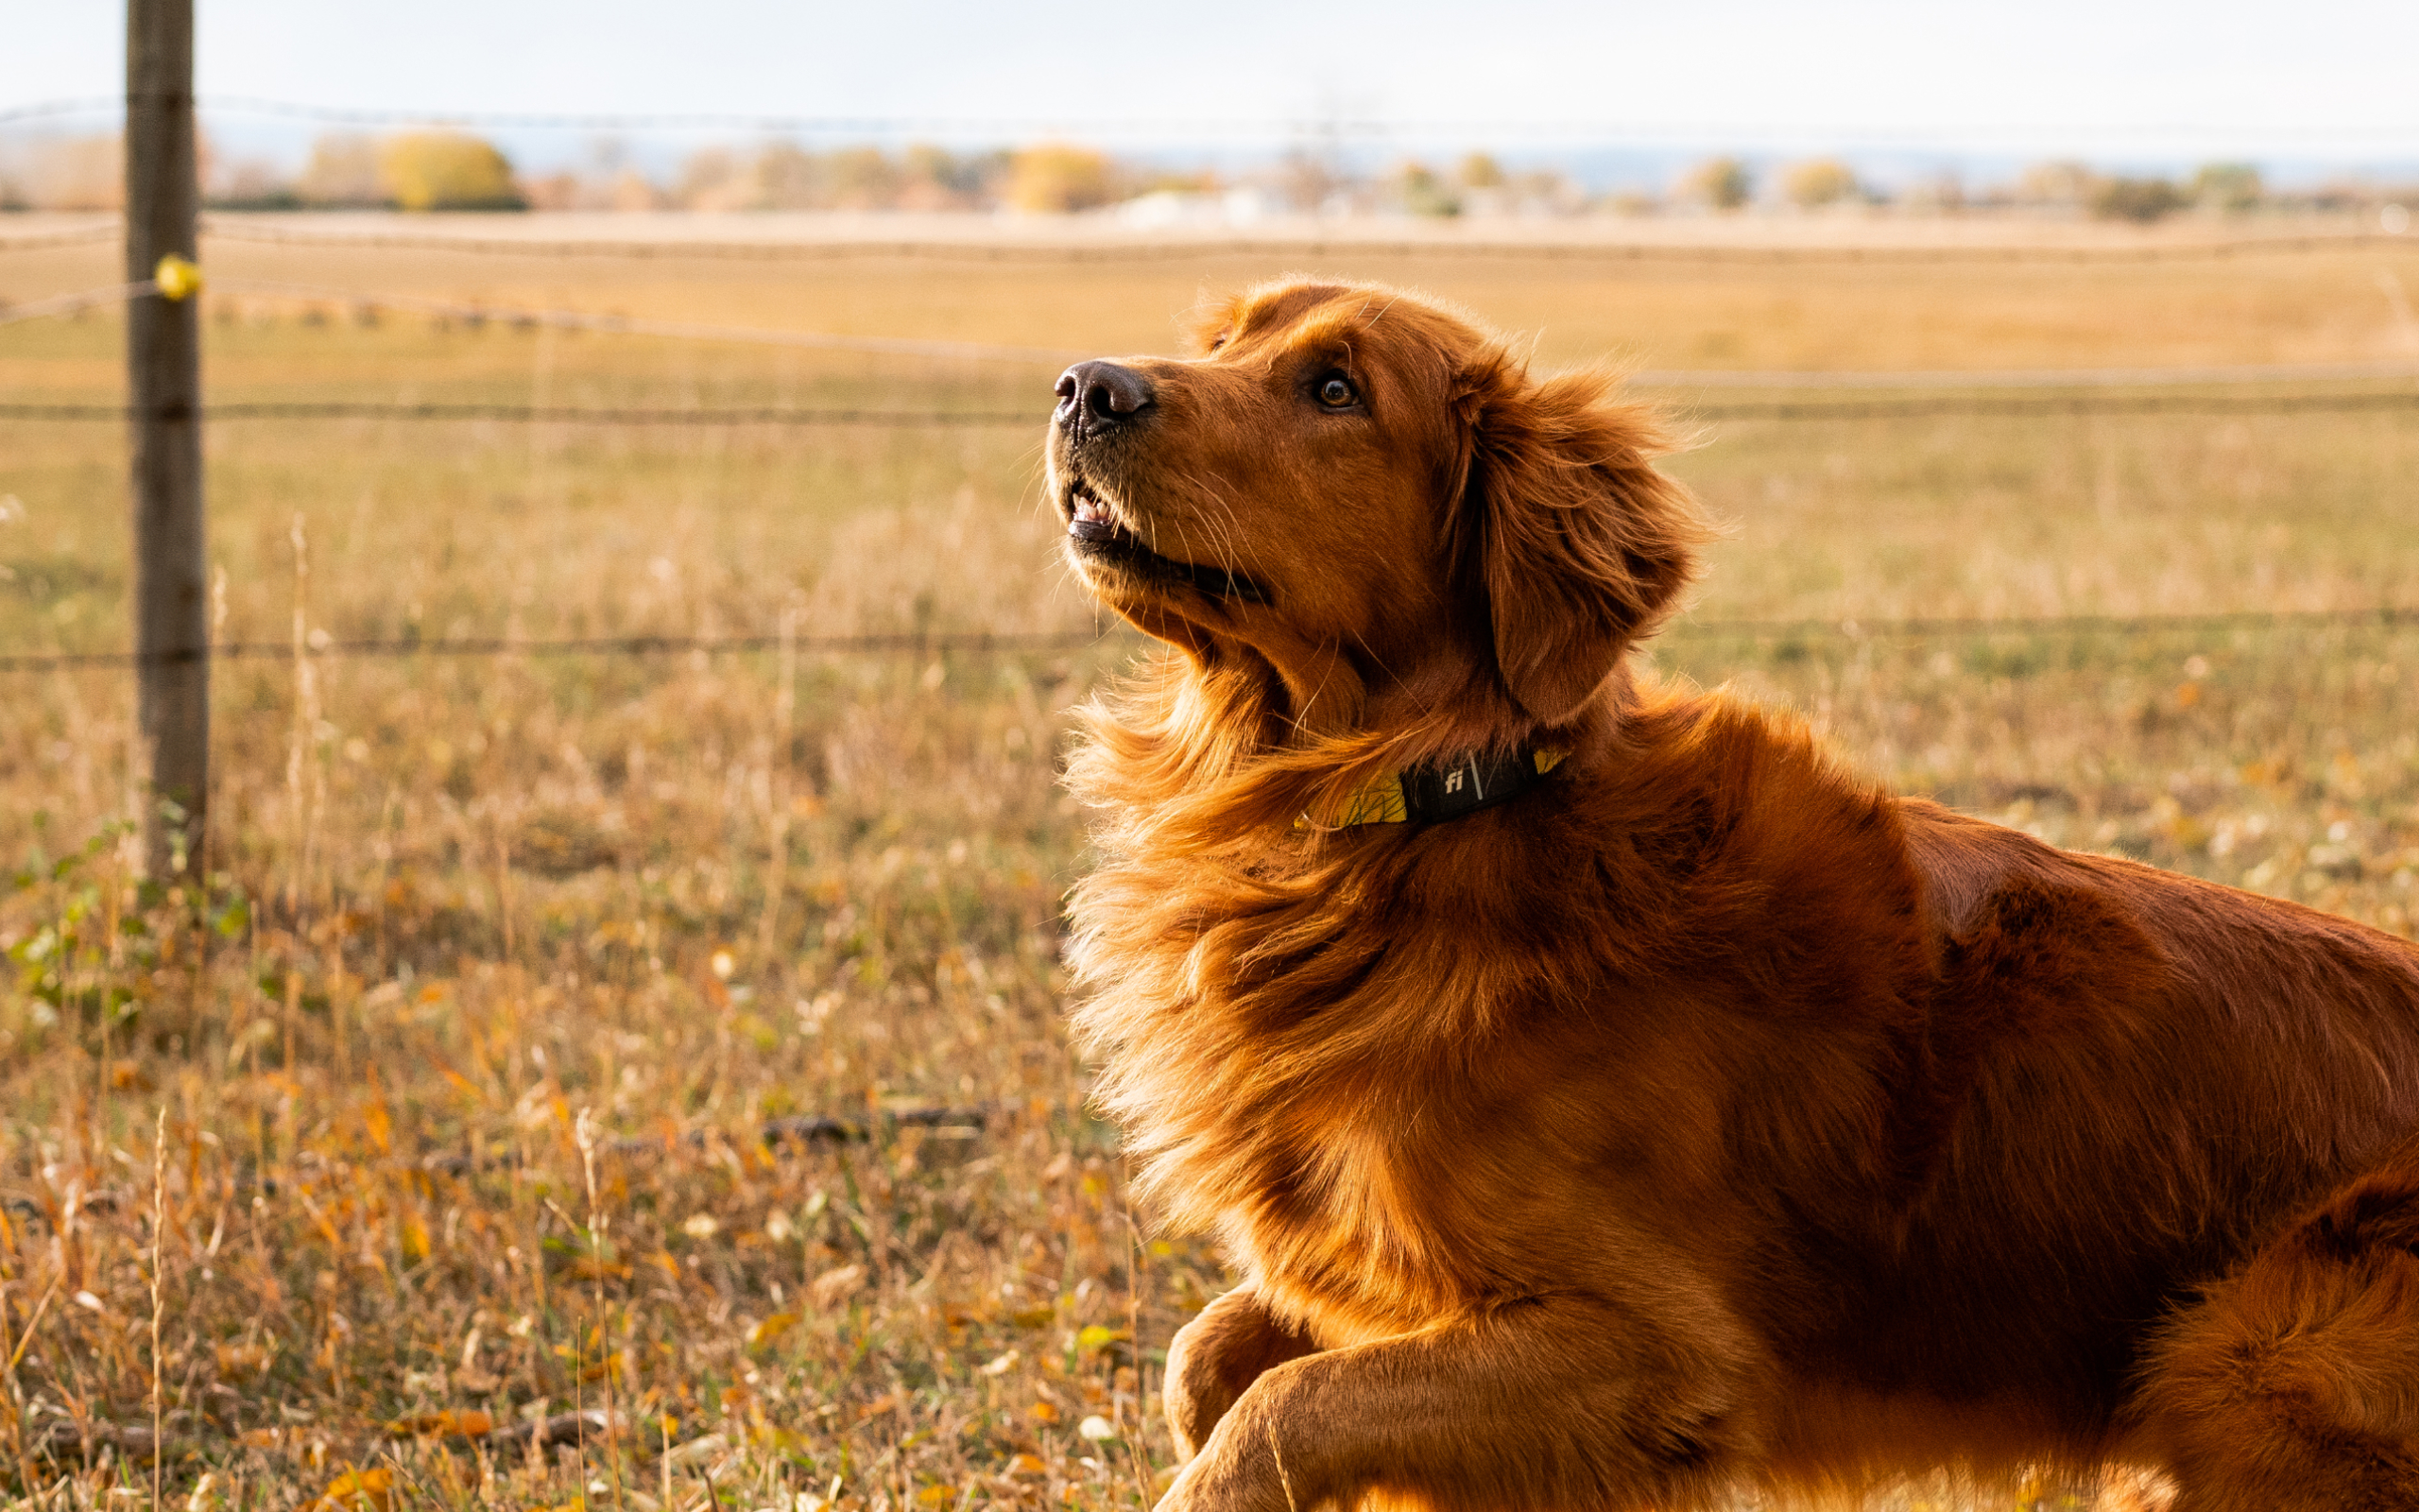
x,y
306,713
785,723
16,1393
584,1133
159,1248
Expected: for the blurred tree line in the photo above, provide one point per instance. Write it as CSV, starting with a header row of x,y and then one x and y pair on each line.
x,y
453,170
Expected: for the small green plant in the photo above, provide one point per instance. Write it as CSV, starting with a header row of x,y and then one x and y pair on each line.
x,y
2233,187
1421,191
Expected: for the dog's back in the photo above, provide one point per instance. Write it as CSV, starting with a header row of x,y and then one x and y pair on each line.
x,y
2125,1084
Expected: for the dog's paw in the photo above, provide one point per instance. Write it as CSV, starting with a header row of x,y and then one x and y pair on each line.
x,y
1215,1482
1214,1360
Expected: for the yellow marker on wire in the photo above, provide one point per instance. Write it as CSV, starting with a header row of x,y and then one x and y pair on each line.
x,y
176,278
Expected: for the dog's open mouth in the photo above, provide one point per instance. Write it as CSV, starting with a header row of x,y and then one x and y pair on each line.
x,y
1089,520
1096,534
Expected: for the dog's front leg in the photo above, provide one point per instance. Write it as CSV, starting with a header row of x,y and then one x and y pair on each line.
x,y
1215,1357
1549,1403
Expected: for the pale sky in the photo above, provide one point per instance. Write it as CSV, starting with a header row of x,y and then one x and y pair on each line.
x,y
2201,77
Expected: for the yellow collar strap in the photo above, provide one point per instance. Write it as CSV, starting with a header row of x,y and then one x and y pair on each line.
x,y
1421,795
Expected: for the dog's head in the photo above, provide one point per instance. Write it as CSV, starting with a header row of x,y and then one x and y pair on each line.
x,y
1367,493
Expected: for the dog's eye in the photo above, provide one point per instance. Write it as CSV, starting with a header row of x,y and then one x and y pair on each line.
x,y
1336,393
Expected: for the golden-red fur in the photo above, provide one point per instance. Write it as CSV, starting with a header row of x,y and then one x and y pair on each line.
x,y
1707,1118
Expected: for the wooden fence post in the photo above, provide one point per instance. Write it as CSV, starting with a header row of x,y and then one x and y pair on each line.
x,y
163,389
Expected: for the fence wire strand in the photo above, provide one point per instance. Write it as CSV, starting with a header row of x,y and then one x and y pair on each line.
x,y
979,643
1597,130
223,228
549,414
525,318
1174,248
44,241
1985,406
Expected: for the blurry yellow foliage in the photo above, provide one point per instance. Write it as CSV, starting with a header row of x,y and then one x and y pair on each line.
x,y
1818,182
1054,177
446,170
1095,1338
615,1366
378,1125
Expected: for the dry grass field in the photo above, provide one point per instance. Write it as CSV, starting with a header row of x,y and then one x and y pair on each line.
x,y
453,1139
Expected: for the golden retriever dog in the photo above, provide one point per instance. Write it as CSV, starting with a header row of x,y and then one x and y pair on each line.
x,y
1609,1100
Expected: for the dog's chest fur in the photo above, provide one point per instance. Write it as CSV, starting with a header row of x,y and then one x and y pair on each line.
x,y
1293,1117
1366,1088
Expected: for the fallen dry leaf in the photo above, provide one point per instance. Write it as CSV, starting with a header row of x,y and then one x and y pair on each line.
x,y
472,1423
237,1362
771,1330
356,1489
697,1452
833,1287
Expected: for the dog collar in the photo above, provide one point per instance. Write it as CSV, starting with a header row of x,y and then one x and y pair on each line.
x,y
1422,795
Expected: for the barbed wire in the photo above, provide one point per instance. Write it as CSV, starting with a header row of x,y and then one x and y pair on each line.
x,y
41,109
1951,378
80,300
972,643
1171,250
983,643
641,326
79,237
477,313
2049,405
1304,128
527,317
1854,629
549,414
1965,405
1176,249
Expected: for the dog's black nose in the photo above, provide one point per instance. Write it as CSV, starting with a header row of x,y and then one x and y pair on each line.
x,y
1095,396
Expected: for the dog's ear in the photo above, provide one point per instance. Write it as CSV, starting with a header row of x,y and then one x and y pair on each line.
x,y
1578,544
